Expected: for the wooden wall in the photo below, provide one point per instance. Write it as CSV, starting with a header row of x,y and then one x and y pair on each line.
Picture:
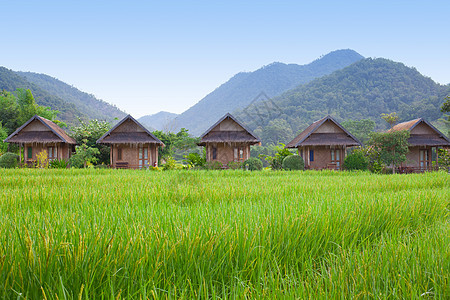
x,y
225,152
322,156
63,151
130,155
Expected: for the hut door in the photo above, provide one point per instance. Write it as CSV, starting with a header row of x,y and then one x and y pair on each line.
x,y
336,157
143,157
423,159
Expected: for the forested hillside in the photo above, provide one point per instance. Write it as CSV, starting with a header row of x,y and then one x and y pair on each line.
x,y
242,88
90,106
69,101
11,81
364,89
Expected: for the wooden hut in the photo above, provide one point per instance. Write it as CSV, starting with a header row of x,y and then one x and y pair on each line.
x,y
323,144
132,145
424,140
39,134
228,140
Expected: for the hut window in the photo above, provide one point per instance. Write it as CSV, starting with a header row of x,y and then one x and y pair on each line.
x,y
238,153
119,153
29,153
214,153
311,155
51,152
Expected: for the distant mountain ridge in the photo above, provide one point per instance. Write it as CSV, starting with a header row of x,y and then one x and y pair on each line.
x,y
242,88
69,101
88,104
362,90
158,121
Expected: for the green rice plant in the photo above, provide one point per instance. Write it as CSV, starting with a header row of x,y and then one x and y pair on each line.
x,y
103,233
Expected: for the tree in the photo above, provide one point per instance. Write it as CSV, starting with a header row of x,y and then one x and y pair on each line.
x,y
9,112
84,155
3,136
360,129
177,145
16,110
445,108
276,161
391,118
89,133
392,146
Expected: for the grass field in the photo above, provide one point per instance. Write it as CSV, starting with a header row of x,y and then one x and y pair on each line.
x,y
89,234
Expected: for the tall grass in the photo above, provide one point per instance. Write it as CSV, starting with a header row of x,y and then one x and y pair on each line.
x,y
90,234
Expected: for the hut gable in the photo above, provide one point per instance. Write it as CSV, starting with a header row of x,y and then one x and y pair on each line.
x,y
324,132
422,133
228,124
129,131
39,130
228,130
329,127
129,126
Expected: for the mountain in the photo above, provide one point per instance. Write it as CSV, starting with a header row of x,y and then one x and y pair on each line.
x,y
365,89
90,106
69,101
243,88
158,121
11,81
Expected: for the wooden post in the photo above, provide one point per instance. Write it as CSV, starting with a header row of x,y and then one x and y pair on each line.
x,y
111,156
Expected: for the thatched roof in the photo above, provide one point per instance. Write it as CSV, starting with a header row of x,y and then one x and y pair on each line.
x,y
216,135
434,138
54,134
135,134
309,137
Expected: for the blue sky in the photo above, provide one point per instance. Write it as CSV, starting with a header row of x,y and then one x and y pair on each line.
x,y
148,56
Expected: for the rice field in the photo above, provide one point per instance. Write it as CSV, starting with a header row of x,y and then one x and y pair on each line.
x,y
127,234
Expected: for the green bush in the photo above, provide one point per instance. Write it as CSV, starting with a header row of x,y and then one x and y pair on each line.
x,y
59,164
253,164
293,162
170,164
9,160
356,161
234,165
213,165
194,160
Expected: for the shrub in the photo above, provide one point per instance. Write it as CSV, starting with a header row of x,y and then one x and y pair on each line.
x,y
444,159
234,165
356,161
84,156
42,160
214,165
253,164
276,162
9,160
293,162
194,160
170,164
59,164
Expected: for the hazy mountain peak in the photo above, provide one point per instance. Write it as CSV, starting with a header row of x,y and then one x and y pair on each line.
x,y
272,79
